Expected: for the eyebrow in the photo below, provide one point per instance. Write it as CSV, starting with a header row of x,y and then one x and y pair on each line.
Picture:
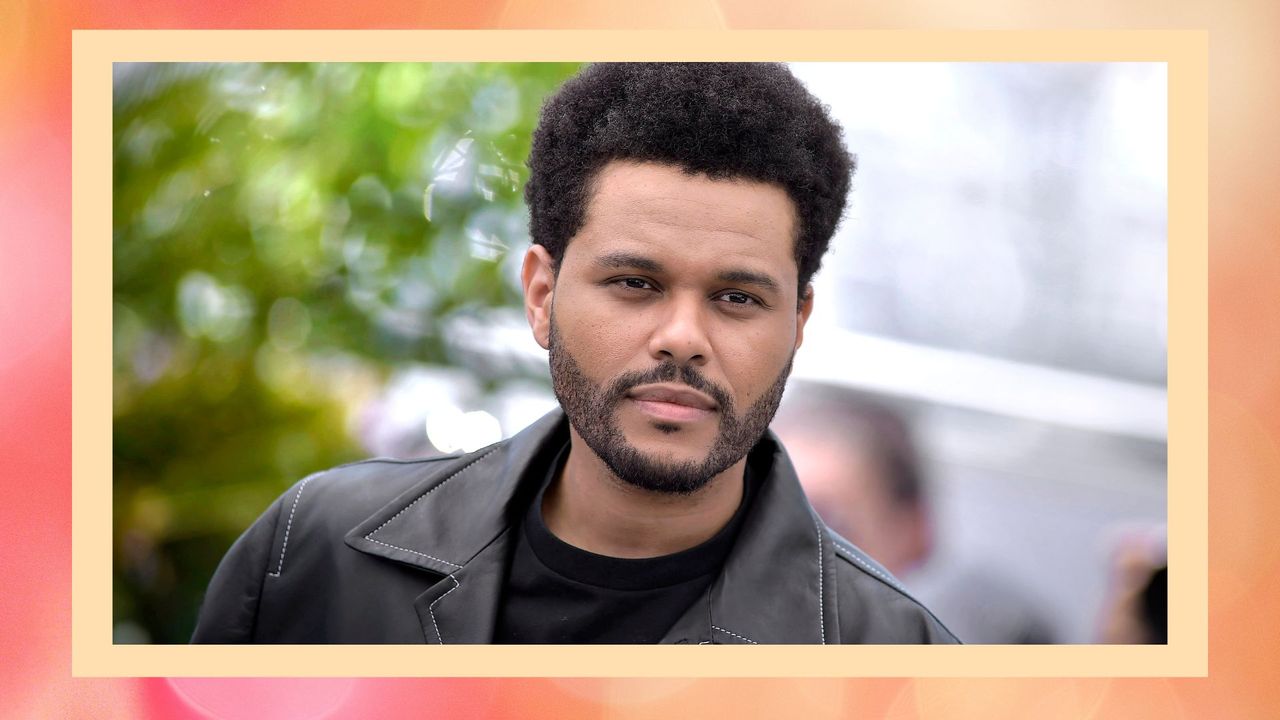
x,y
618,260
749,277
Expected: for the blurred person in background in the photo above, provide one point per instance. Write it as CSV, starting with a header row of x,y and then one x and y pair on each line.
x,y
678,213
1136,609
858,463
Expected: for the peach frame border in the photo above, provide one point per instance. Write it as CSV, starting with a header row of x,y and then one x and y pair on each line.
x,y
94,654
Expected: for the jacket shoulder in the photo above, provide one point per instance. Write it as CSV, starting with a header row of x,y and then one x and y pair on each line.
x,y
347,494
875,608
301,530
318,512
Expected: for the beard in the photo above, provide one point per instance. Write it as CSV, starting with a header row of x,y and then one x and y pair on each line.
x,y
592,410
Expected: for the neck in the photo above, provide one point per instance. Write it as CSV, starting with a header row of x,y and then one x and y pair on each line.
x,y
590,508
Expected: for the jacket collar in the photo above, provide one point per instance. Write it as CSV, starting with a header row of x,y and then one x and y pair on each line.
x,y
777,585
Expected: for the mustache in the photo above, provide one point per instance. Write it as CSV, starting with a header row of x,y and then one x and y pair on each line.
x,y
670,372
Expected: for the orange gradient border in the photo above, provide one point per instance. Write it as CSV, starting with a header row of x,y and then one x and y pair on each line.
x,y
94,654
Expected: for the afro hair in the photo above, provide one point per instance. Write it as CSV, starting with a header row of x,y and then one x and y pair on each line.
x,y
752,121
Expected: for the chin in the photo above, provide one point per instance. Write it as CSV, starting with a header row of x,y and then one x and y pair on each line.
x,y
669,443
656,475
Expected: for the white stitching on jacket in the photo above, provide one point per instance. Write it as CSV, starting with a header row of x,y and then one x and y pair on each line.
x,y
289,525
892,584
435,487
822,625
730,632
431,609
854,557
415,552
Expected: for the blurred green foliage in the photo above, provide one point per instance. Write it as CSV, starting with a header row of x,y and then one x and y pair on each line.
x,y
284,237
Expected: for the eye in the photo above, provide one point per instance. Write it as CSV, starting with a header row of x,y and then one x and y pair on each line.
x,y
739,298
635,283
630,285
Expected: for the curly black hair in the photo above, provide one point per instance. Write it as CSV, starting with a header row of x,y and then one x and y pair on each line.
x,y
754,121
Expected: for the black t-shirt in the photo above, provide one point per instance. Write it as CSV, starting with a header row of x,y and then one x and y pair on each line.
x,y
558,593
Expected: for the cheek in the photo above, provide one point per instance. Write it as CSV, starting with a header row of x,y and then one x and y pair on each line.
x,y
753,359
603,344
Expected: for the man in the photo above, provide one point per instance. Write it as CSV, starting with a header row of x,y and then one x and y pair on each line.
x,y
857,462
678,212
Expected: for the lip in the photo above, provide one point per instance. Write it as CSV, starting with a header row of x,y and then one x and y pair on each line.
x,y
672,394
672,403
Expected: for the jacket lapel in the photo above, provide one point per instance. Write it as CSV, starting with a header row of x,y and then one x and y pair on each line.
x,y
456,523
462,608
778,584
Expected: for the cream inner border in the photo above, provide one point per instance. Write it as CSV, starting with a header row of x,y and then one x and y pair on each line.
x,y
94,654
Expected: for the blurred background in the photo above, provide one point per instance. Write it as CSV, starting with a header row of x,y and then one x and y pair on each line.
x,y
315,263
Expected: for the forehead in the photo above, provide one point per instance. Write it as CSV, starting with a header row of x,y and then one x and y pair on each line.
x,y
649,207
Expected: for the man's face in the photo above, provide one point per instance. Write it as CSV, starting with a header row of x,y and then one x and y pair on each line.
x,y
672,321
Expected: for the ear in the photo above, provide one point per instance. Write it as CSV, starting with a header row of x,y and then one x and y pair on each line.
x,y
539,280
803,312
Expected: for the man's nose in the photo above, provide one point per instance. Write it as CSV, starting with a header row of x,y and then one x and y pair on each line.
x,y
681,334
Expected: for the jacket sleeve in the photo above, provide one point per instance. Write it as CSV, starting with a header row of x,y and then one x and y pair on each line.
x,y
230,609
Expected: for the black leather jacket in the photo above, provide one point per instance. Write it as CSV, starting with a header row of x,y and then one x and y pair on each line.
x,y
392,551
